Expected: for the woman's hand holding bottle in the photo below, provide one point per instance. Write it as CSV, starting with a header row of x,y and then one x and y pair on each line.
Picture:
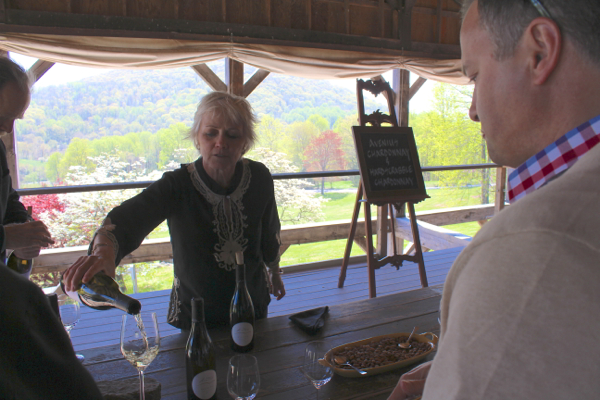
x,y
102,259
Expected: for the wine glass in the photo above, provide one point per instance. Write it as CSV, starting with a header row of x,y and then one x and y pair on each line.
x,y
140,341
243,378
69,315
315,368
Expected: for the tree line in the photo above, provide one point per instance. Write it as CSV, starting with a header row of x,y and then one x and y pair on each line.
x,y
144,116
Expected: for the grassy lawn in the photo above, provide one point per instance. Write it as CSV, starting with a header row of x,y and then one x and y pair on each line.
x,y
151,277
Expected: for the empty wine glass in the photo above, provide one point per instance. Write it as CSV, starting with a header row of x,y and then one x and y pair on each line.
x,y
315,368
69,314
140,341
243,378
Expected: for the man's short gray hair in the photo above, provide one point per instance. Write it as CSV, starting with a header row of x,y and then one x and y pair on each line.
x,y
506,20
13,72
235,109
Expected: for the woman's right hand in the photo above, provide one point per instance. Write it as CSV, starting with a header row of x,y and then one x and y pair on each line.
x,y
84,269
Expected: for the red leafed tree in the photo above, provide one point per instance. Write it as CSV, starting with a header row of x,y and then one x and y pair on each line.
x,y
324,152
49,203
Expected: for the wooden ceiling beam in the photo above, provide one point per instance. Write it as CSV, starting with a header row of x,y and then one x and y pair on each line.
x,y
39,68
208,76
414,88
438,25
40,22
254,81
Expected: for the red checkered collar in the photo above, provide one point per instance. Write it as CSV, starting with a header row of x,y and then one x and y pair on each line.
x,y
553,160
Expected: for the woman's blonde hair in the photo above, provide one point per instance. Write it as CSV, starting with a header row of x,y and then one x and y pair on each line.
x,y
235,109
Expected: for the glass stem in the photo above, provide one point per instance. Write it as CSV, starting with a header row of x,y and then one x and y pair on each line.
x,y
142,391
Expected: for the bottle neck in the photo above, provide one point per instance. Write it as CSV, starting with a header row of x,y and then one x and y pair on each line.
x,y
128,304
197,316
240,273
198,325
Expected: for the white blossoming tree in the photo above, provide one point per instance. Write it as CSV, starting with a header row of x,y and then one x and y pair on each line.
x,y
85,211
296,205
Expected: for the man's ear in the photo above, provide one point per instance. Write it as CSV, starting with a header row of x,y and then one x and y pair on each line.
x,y
543,41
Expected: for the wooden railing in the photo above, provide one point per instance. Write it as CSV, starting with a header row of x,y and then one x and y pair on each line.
x,y
55,260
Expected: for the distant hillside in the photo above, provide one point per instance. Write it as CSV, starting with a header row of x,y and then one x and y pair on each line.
x,y
120,102
126,101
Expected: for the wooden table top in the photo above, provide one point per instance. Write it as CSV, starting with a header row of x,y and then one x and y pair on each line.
x,y
279,348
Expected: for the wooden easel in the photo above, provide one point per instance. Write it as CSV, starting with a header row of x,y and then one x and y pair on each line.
x,y
376,119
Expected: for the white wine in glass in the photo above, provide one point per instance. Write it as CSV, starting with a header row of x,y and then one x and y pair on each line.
x,y
319,373
243,378
140,342
70,313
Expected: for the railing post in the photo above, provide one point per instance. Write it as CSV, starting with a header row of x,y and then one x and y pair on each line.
x,y
500,189
133,273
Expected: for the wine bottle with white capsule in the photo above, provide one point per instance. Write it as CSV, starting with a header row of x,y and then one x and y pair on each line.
x,y
201,375
241,311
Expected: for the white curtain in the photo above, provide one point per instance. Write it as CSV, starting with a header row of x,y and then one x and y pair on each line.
x,y
132,53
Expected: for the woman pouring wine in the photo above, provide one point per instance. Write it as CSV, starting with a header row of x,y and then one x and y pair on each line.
x,y
220,204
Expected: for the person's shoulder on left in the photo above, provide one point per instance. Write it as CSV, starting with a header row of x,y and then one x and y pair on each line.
x,y
37,358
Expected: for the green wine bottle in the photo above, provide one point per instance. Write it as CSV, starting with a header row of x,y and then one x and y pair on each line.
x,y
19,265
201,375
103,293
241,311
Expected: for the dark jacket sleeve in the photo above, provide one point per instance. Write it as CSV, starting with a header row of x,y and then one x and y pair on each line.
x,y
135,218
36,356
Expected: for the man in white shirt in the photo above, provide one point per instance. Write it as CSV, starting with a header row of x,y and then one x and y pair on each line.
x,y
519,312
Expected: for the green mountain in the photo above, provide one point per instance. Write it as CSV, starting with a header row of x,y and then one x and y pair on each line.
x,y
124,101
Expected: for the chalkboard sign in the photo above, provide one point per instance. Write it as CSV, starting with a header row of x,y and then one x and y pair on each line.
x,y
389,164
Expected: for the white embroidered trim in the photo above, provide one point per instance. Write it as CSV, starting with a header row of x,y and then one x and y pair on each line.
x,y
230,221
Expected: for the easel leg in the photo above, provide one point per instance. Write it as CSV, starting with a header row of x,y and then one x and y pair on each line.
x,y
370,256
393,226
359,194
417,244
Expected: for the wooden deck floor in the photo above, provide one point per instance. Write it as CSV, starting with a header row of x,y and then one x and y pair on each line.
x,y
305,290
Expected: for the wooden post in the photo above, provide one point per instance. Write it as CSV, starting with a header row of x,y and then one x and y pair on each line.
x,y
401,87
234,77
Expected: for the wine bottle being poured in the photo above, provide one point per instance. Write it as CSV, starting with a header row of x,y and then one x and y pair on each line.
x,y
241,311
102,293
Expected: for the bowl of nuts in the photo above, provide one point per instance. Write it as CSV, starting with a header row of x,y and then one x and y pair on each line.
x,y
381,354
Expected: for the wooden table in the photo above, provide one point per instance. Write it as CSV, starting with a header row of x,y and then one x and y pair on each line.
x,y
279,348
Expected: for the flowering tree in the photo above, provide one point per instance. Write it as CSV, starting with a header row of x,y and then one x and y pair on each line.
x,y
295,204
48,204
73,218
85,211
325,152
